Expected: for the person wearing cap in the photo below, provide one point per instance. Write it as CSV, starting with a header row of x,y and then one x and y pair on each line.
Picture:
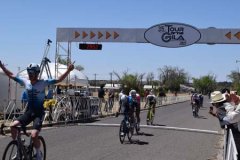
x,y
226,110
35,89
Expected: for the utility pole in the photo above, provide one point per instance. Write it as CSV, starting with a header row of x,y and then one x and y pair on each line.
x,y
111,78
238,71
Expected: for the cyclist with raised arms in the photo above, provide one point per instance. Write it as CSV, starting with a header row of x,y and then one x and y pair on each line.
x,y
35,89
151,102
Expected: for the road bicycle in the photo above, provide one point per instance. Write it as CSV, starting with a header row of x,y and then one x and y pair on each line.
x,y
195,109
19,149
150,114
136,124
126,129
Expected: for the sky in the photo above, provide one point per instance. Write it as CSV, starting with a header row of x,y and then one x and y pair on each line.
x,y
26,25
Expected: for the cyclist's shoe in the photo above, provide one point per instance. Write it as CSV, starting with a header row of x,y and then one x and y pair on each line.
x,y
147,122
122,134
116,114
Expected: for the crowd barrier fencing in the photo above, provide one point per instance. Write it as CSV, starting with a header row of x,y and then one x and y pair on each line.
x,y
230,148
76,108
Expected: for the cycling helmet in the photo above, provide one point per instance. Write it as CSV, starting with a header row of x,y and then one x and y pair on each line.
x,y
151,92
33,68
132,92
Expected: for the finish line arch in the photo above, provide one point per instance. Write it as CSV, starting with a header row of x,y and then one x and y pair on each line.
x,y
170,35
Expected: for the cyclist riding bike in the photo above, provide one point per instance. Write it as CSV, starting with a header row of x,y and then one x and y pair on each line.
x,y
201,99
35,89
134,102
151,102
195,100
129,104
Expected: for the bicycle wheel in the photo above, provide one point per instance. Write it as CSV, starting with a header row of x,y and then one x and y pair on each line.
x,y
151,117
130,132
11,151
194,110
148,113
137,127
42,149
122,131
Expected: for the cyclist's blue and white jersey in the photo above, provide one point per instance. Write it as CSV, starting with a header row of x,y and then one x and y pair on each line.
x,y
133,103
35,92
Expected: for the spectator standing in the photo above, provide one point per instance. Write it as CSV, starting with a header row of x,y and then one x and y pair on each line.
x,y
59,90
146,93
121,107
161,95
101,94
111,99
226,110
227,113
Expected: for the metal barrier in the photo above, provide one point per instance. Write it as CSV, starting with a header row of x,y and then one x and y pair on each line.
x,y
76,108
172,99
230,149
73,108
12,110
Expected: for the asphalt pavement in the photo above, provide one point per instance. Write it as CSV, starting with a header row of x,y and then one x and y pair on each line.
x,y
176,134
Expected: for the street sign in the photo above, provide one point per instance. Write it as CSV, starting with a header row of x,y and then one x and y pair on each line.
x,y
172,35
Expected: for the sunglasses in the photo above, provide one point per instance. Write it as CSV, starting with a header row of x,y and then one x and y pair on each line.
x,y
32,72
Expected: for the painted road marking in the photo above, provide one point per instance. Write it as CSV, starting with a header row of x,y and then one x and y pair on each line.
x,y
155,127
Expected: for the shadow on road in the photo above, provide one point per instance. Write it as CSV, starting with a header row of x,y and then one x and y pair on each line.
x,y
158,125
144,134
88,121
201,117
138,142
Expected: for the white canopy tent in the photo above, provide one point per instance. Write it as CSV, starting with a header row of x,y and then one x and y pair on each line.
x,y
77,78
10,90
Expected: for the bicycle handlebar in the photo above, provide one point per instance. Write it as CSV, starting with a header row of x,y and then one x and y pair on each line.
x,y
1,129
19,128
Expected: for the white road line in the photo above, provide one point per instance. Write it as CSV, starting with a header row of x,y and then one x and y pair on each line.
x,y
155,127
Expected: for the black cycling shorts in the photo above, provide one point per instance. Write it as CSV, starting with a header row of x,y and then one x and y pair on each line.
x,y
30,116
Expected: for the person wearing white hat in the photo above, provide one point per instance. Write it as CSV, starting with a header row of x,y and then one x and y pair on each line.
x,y
225,108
